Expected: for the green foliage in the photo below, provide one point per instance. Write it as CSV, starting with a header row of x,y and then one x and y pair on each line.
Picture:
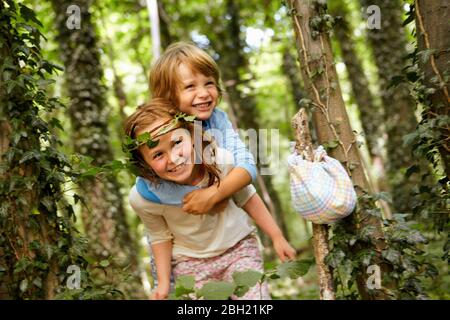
x,y
242,282
33,171
404,263
432,197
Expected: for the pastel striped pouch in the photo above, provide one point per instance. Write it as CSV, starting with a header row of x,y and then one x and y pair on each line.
x,y
321,190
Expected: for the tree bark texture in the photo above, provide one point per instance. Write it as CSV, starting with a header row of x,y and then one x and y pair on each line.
x,y
433,29
103,216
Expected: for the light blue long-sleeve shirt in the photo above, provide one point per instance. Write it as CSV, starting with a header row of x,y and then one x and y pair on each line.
x,y
219,126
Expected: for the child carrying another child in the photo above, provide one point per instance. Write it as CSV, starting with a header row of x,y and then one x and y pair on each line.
x,y
189,78
208,246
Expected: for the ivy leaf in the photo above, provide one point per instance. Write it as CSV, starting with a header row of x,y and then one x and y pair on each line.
x,y
330,144
334,258
23,285
412,169
425,54
104,263
29,14
294,269
247,278
410,18
10,86
190,118
143,137
391,255
216,290
184,285
38,282
241,291
415,236
152,143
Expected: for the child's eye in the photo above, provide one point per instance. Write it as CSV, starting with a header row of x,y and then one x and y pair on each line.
x,y
190,86
179,140
210,83
157,155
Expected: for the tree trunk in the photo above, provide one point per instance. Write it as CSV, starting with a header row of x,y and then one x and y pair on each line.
x,y
331,120
432,27
232,62
30,232
389,50
320,232
104,217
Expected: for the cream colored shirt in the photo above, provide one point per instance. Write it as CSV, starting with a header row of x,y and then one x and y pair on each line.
x,y
198,236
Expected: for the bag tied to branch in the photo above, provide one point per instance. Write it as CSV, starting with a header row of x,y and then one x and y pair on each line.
x,y
321,190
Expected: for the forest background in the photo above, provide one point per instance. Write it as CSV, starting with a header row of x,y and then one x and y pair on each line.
x,y
64,186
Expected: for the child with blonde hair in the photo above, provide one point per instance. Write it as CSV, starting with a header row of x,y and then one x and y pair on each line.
x,y
207,246
189,78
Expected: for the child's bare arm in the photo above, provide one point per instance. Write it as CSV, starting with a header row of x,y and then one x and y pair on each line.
x,y
256,209
202,201
163,255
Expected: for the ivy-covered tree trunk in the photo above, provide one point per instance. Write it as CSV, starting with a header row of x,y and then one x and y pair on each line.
x,y
232,64
36,224
389,51
432,27
311,24
103,216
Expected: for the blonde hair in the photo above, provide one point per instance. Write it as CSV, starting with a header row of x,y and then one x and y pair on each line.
x,y
164,79
155,110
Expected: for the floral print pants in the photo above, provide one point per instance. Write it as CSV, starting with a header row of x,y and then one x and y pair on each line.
x,y
243,256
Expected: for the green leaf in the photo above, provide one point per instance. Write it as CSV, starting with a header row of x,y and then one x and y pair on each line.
x,y
10,86
415,236
143,137
295,269
190,118
38,282
104,263
241,291
23,285
391,255
184,285
187,282
216,290
152,143
247,278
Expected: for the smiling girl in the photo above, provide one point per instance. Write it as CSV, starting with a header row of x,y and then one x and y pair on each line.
x,y
208,246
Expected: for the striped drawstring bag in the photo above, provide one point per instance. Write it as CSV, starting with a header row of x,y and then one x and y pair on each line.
x,y
321,190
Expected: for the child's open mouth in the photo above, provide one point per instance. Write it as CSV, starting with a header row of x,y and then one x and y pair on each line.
x,y
176,168
202,106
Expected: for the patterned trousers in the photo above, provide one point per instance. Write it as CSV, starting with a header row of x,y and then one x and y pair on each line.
x,y
243,256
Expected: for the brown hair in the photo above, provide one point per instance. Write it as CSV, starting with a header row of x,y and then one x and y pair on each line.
x,y
162,109
164,80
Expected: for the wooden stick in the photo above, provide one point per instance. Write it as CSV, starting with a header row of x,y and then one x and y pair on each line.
x,y
320,232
